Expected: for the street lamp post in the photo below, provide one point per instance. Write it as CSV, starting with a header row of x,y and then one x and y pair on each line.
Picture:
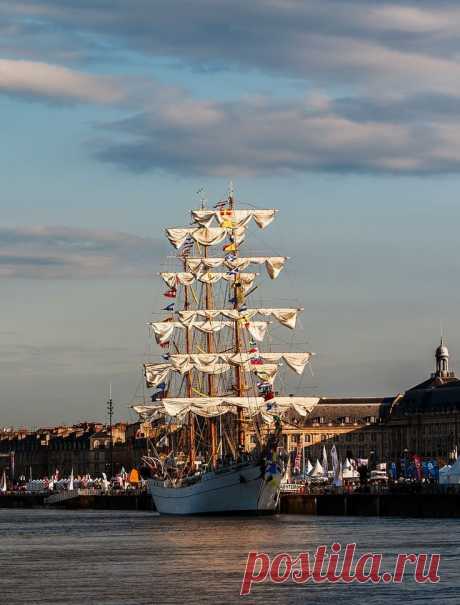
x,y
110,414
372,460
406,462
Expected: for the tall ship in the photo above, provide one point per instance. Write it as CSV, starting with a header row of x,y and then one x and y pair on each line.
x,y
211,401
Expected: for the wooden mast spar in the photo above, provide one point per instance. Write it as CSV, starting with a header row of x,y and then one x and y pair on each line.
x,y
211,386
239,374
188,379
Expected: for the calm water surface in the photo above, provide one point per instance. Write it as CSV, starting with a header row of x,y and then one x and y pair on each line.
x,y
111,558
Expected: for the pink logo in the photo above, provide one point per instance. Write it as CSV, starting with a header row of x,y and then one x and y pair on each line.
x,y
326,566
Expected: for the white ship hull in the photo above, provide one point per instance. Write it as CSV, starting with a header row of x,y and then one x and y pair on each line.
x,y
243,489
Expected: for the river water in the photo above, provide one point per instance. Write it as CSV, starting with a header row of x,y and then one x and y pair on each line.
x,y
123,558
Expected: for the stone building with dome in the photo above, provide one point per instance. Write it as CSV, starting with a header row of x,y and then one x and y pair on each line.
x,y
423,420
426,418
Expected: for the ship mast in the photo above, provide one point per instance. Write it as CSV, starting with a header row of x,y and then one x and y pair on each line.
x,y
199,409
191,420
211,388
239,373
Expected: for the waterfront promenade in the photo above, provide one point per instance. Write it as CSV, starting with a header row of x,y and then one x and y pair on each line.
x,y
432,503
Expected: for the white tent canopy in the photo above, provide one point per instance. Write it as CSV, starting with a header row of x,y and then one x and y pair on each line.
x,y
318,470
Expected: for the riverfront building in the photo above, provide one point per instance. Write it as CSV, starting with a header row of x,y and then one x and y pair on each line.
x,y
424,420
85,448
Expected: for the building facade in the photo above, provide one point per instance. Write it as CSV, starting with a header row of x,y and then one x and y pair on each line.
x,y
423,420
85,448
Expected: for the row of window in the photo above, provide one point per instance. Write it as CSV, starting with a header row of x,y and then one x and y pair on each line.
x,y
343,420
352,436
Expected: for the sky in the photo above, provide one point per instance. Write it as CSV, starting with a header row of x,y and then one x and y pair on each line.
x,y
113,114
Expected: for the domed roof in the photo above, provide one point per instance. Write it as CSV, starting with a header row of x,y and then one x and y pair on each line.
x,y
442,350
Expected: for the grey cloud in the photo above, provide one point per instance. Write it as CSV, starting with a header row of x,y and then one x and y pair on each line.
x,y
396,61
63,252
265,136
56,83
420,108
39,40
371,43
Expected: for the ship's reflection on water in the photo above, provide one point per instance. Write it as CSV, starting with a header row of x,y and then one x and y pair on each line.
x,y
50,556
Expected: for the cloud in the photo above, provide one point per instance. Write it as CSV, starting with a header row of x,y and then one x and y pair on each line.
x,y
382,82
267,136
29,78
410,45
64,252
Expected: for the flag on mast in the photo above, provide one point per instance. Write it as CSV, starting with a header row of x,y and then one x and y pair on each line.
x,y
297,461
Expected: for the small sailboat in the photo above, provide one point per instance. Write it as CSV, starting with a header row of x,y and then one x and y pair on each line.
x,y
3,484
213,383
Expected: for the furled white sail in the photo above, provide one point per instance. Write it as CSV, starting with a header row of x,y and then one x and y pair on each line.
x,y
149,412
163,330
266,372
273,264
286,317
201,406
208,363
257,329
198,264
296,361
216,406
208,406
184,362
157,373
204,362
302,405
227,217
187,279
206,236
